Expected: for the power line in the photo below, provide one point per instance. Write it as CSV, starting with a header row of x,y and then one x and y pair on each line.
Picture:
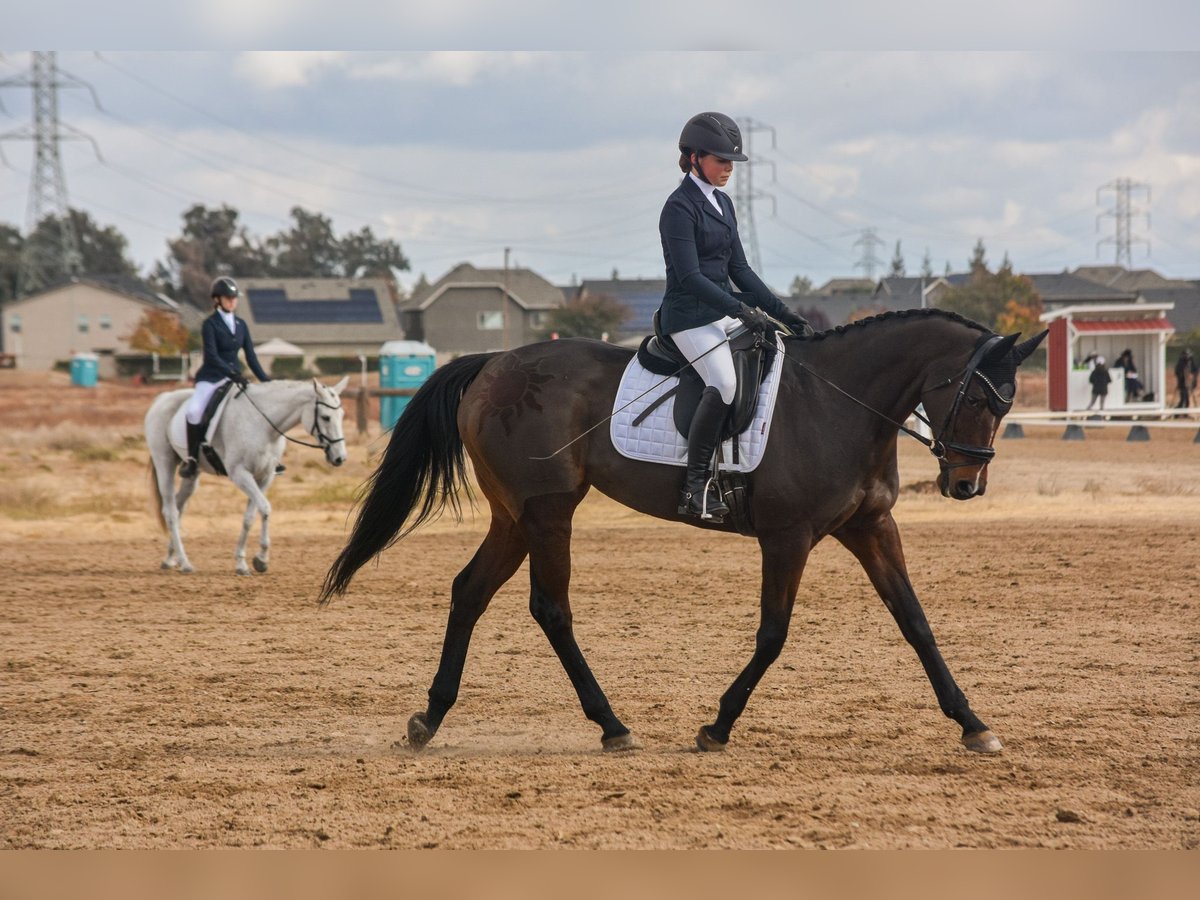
x,y
47,186
744,192
1123,214
868,262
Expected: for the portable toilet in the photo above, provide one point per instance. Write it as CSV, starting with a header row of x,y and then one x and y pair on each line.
x,y
84,369
402,364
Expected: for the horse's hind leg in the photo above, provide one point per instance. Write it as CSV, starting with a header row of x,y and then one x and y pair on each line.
x,y
498,557
546,522
876,544
172,512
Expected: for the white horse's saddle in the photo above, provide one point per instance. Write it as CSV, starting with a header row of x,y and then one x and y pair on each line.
x,y
177,430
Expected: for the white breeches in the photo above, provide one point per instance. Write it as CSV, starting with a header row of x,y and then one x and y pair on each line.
x,y
715,368
200,397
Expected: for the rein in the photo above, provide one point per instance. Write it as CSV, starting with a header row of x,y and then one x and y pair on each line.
x,y
937,446
324,442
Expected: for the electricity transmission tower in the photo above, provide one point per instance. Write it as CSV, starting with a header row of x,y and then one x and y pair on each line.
x,y
744,192
868,262
47,186
1123,213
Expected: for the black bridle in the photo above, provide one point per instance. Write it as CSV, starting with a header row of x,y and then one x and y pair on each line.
x,y
940,445
324,442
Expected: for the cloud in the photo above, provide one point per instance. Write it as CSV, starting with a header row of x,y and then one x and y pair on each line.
x,y
273,69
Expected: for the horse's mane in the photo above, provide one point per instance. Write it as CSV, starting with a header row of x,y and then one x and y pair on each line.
x,y
899,314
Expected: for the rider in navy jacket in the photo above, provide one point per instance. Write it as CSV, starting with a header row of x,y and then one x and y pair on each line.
x,y
705,259
224,335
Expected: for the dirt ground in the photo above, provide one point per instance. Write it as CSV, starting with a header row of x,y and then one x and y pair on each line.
x,y
150,709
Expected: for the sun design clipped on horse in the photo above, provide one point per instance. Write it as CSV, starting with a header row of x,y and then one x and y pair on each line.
x,y
246,434
528,420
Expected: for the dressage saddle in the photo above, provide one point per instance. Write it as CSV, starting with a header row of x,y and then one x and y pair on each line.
x,y
752,359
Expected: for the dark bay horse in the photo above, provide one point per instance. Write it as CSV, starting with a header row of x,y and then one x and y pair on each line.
x,y
829,468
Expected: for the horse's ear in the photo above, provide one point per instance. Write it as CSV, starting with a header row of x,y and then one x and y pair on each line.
x,y
1022,351
341,385
1002,348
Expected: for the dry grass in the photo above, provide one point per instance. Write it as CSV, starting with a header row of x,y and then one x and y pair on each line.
x,y
1166,487
69,436
340,494
23,501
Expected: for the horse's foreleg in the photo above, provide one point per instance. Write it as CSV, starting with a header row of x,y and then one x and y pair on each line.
x,y
783,559
262,559
876,544
498,557
257,502
546,522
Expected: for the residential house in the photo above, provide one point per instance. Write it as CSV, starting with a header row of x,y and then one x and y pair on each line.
x,y
1153,288
324,317
470,310
95,313
641,295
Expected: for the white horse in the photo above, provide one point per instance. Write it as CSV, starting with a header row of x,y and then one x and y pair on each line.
x,y
249,433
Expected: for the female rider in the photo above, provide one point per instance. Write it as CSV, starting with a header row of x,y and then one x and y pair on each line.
x,y
224,335
704,255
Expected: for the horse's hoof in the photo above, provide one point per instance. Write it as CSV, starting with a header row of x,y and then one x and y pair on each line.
x,y
620,742
244,570
707,743
186,570
166,566
260,566
419,731
982,742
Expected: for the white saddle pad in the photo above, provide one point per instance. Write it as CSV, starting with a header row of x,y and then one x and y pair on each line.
x,y
177,430
656,439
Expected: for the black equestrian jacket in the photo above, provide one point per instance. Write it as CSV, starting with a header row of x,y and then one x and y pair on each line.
x,y
703,254
221,350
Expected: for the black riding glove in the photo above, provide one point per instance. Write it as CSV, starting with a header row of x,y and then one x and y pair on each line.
x,y
239,379
755,319
797,324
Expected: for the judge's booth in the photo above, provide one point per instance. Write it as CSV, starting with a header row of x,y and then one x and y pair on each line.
x,y
1081,334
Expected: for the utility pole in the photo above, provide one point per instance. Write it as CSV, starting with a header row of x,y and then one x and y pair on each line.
x,y
47,186
504,298
868,262
744,192
1123,213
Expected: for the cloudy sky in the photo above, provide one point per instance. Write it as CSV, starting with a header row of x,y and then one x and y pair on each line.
x,y
565,156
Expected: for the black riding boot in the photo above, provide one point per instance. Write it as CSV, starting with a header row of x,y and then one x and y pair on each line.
x,y
191,466
700,495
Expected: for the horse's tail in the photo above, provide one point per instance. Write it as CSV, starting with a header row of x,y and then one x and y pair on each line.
x,y
158,503
423,467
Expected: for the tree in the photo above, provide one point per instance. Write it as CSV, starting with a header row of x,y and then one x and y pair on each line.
x,y
10,261
213,242
590,316
308,250
926,265
977,264
102,249
801,286
365,256
159,331
897,270
1003,301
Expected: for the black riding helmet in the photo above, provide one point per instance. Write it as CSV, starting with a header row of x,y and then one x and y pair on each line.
x,y
224,287
713,133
